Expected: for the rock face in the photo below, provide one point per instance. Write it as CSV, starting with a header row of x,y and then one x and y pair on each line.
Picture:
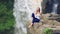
x,y
56,32
52,6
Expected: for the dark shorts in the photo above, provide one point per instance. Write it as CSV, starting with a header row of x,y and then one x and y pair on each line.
x,y
35,20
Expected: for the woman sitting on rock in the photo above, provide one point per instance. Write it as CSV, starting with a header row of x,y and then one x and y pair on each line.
x,y
35,17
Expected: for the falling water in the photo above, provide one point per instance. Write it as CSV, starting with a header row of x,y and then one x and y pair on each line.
x,y
20,16
55,8
22,12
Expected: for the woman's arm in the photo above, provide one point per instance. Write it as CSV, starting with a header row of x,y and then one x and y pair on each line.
x,y
41,13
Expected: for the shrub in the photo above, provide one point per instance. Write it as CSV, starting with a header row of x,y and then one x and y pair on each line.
x,y
47,31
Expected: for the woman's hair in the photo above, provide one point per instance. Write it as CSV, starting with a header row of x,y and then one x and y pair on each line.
x,y
38,9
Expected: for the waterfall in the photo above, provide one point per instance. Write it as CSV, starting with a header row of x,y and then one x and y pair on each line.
x,y
22,13
54,11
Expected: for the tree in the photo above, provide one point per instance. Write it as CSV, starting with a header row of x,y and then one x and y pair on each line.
x,y
6,15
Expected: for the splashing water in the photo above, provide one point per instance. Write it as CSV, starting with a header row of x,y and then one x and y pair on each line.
x,y
22,13
54,11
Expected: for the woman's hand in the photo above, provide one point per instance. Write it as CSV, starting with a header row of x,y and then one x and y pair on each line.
x,y
41,13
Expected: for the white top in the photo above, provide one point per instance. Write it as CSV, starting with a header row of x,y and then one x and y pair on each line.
x,y
37,16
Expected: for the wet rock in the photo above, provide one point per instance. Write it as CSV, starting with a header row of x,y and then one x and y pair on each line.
x,y
56,32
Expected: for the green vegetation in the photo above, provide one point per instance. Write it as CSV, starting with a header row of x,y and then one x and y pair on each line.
x,y
6,16
47,31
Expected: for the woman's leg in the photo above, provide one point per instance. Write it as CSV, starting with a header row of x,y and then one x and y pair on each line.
x,y
31,24
37,20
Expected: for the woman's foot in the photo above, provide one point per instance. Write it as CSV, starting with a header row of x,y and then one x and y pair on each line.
x,y
31,25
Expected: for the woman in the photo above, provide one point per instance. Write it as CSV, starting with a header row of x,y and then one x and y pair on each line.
x,y
35,17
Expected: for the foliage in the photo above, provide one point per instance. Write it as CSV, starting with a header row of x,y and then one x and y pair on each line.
x,y
6,15
47,31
